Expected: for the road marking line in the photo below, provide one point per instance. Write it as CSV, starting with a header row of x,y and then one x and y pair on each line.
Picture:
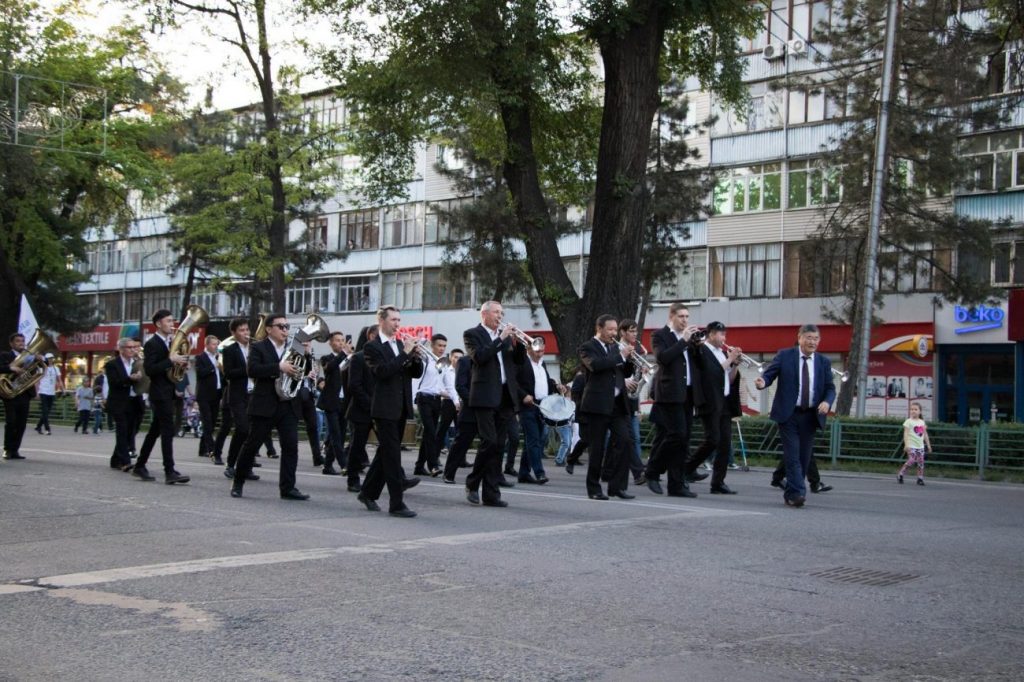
x,y
300,555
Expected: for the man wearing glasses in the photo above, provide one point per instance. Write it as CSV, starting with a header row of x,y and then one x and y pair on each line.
x,y
123,403
267,410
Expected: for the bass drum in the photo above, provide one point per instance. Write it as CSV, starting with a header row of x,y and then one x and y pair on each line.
x,y
557,410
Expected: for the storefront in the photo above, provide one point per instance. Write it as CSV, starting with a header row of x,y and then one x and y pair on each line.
x,y
979,371
82,356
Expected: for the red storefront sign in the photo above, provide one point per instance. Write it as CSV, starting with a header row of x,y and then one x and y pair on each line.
x,y
105,337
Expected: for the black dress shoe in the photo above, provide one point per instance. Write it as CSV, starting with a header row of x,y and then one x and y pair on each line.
x,y
318,461
174,477
218,461
449,480
229,472
142,474
685,492
465,465
654,486
252,477
778,483
569,466
236,491
356,488
622,495
420,471
436,471
495,503
509,471
795,502
527,479
294,494
472,496
371,505
410,483
403,513
598,496
330,471
13,455
694,477
505,483
819,487
126,468
270,455
256,464
541,480
722,489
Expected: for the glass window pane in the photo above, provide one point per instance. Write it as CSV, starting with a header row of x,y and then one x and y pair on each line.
x,y
1004,170
721,198
816,106
798,189
797,106
754,193
772,191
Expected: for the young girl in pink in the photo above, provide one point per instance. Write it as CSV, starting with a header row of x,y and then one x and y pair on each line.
x,y
915,440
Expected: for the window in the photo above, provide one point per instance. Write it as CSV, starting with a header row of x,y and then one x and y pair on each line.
x,y
819,268
208,301
356,294
309,296
441,293
812,185
1008,264
316,233
690,279
449,158
402,289
438,225
239,305
994,162
748,271
403,224
753,188
1004,72
109,306
789,19
360,229
163,297
900,271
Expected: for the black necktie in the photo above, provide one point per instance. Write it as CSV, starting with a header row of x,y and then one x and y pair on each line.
x,y
805,384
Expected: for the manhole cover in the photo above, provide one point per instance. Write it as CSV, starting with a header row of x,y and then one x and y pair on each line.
x,y
864,576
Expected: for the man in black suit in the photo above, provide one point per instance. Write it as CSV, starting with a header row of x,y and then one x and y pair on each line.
x,y
535,384
607,365
466,424
494,397
209,390
358,384
235,359
123,403
16,408
672,414
267,411
157,360
716,395
331,401
392,365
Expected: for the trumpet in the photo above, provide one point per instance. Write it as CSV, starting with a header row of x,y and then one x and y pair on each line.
x,y
644,369
638,359
535,344
747,360
842,376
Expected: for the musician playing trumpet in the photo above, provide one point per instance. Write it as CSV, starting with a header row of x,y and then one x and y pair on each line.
x,y
716,395
267,410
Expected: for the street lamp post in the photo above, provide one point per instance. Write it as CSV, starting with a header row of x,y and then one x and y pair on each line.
x,y
142,270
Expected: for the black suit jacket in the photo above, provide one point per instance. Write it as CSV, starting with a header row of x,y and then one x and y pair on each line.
x,y
119,385
264,368
709,385
206,379
605,371
670,380
392,394
330,400
463,377
485,380
527,380
359,390
236,373
155,363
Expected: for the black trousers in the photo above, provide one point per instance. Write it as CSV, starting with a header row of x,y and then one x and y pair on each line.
x,y
336,427
673,423
599,426
512,442
226,424
208,412
386,467
813,477
356,458
15,421
45,406
492,427
460,446
430,414
717,439
240,420
162,427
448,414
122,438
312,430
286,423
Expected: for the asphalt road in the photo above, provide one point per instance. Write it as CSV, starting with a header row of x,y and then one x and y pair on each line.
x,y
103,577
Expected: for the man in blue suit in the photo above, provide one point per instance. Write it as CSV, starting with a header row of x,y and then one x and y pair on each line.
x,y
805,393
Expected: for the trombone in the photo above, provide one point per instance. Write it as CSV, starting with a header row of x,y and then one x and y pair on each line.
x,y
748,361
842,376
423,348
534,343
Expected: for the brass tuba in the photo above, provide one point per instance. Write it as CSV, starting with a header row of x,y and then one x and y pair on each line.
x,y
180,345
32,361
287,386
261,328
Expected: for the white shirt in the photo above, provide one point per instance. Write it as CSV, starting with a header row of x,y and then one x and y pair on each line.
x,y
686,358
128,371
390,342
448,381
501,363
249,384
540,380
430,382
280,350
720,356
48,384
608,352
800,378
216,369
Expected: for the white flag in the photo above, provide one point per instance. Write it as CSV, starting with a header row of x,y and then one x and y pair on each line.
x,y
27,324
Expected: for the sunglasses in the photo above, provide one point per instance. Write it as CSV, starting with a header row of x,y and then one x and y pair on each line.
x,y
284,327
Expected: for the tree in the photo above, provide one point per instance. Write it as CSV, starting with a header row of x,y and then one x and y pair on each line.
x,y
246,25
60,180
522,85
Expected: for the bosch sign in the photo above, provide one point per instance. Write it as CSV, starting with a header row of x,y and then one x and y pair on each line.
x,y
980,318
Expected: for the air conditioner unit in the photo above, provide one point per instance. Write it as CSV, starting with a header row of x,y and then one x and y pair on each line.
x,y
798,47
774,50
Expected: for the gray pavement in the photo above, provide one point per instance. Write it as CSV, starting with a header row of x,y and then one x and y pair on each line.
x,y
103,577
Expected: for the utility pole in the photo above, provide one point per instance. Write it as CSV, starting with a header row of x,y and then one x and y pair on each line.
x,y
877,196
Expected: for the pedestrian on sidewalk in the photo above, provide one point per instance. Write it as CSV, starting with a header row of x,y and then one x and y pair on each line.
x,y
915,441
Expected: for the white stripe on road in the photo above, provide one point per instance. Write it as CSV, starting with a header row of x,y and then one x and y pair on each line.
x,y
300,555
